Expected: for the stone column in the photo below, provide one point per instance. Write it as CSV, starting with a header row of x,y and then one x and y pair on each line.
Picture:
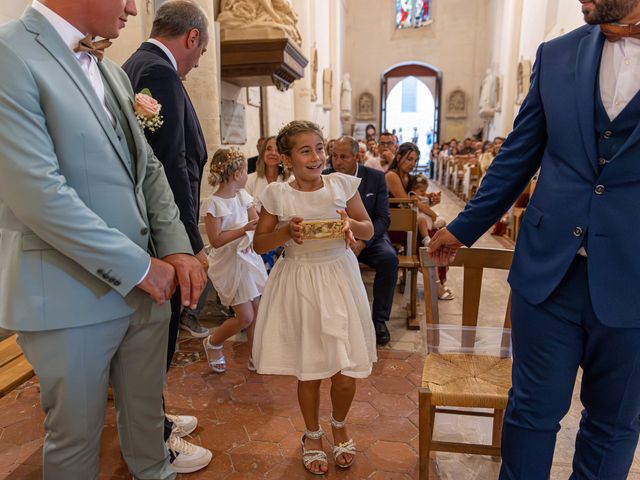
x,y
203,85
302,87
336,33
511,26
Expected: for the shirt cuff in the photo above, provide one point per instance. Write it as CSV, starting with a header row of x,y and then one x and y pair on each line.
x,y
146,272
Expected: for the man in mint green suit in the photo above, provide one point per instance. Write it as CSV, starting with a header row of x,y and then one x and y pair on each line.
x,y
91,244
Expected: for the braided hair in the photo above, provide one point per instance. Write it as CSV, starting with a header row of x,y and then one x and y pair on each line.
x,y
225,162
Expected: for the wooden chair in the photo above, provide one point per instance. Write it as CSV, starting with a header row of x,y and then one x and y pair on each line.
x,y
404,218
14,367
463,379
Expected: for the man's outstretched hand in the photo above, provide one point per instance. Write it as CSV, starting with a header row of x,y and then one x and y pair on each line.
x,y
191,277
443,247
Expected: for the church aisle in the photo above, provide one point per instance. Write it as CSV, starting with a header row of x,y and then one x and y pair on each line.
x,y
253,425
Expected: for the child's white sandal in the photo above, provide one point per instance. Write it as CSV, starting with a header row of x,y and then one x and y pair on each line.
x,y
348,447
310,456
218,365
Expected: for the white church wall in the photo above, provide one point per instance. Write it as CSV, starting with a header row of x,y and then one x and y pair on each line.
x,y
456,43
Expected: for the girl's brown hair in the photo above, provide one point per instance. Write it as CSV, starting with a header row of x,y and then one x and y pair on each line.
x,y
284,141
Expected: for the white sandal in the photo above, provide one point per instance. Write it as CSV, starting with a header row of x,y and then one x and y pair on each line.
x,y
348,447
310,456
250,366
218,365
446,295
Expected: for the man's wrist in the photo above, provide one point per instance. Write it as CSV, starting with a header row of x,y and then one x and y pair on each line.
x,y
146,272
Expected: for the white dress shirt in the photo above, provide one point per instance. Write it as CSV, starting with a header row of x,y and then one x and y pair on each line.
x,y
71,36
166,51
619,74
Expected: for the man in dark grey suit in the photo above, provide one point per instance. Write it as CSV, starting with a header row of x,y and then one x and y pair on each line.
x,y
179,37
376,252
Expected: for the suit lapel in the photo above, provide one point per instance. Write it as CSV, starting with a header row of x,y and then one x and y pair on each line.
x,y
124,102
49,39
587,67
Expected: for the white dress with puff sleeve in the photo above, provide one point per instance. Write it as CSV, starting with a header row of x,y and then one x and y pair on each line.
x,y
314,318
236,271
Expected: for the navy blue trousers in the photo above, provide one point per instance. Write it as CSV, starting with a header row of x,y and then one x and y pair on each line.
x,y
550,342
381,256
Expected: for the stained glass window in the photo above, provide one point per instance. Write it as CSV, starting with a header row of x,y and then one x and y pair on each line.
x,y
412,13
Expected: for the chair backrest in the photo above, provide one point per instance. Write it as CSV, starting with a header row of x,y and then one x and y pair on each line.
x,y
404,218
473,261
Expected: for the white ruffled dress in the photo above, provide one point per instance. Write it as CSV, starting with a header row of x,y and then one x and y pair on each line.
x,y
314,318
236,271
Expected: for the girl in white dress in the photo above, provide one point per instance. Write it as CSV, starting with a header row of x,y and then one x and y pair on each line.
x,y
314,320
236,271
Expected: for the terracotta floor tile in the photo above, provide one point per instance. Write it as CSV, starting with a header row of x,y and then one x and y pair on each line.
x,y
395,385
392,405
399,368
362,413
392,457
273,430
24,472
255,457
394,429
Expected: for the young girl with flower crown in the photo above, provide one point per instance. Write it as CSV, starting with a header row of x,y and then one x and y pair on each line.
x,y
236,271
314,320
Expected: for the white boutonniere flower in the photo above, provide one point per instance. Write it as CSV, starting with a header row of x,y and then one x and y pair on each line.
x,y
147,110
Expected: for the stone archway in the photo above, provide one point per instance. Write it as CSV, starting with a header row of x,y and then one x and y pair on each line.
x,y
427,74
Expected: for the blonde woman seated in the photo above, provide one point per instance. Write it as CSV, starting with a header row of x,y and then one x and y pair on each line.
x,y
269,169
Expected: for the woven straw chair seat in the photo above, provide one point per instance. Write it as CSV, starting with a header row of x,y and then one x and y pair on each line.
x,y
463,380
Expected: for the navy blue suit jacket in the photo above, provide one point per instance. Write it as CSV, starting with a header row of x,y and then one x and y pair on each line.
x,y
555,130
179,144
375,196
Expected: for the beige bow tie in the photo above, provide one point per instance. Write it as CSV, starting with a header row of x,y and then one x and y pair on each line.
x,y
96,48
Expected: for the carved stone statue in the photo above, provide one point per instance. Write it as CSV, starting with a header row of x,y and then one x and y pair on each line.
x,y
345,97
327,88
365,107
314,73
523,80
250,14
488,95
457,104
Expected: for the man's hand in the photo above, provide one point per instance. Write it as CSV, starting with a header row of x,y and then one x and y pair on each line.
x,y
358,247
191,277
443,247
160,281
202,258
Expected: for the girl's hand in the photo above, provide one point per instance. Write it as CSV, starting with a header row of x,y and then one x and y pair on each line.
x,y
251,225
295,229
349,239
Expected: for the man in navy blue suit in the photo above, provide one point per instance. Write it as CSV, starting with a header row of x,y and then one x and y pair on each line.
x,y
576,266
376,252
179,37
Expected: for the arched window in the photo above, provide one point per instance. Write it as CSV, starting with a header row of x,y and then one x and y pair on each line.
x,y
413,13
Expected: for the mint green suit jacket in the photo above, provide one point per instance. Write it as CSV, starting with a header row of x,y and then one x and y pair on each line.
x,y
79,215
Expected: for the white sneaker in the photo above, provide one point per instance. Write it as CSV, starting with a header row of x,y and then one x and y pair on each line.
x,y
187,457
183,425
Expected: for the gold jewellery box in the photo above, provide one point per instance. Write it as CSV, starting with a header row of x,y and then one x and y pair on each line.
x,y
322,229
